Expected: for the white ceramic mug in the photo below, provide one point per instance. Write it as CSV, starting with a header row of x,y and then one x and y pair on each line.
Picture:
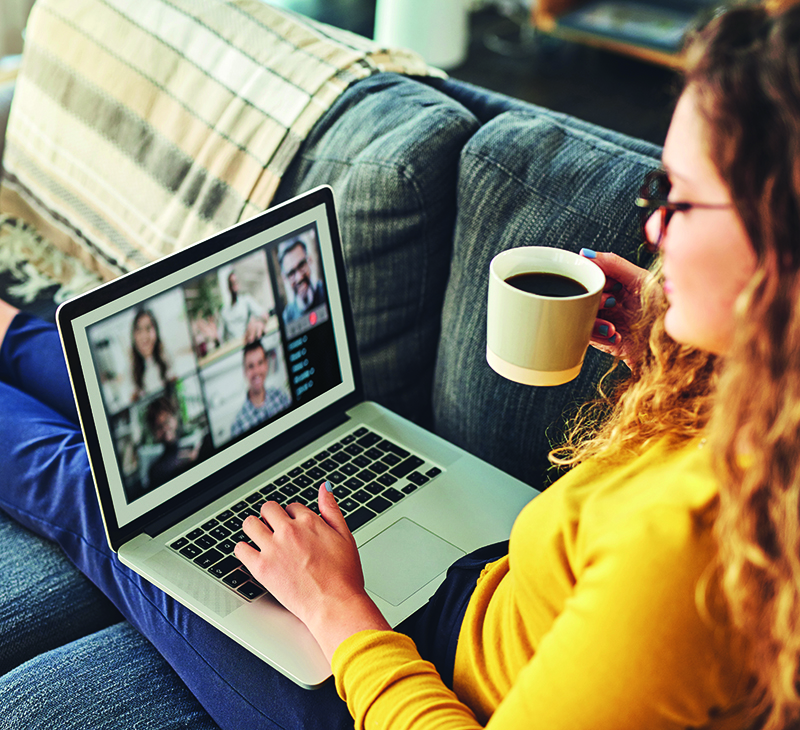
x,y
535,339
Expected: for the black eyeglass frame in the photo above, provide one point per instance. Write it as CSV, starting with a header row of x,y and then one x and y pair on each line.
x,y
651,205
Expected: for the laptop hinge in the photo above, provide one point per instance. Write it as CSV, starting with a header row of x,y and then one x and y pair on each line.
x,y
261,464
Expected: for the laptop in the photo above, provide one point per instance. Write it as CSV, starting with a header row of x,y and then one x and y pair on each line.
x,y
225,375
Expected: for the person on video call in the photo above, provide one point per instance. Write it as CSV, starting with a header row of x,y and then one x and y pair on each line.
x,y
308,294
164,424
243,317
151,368
262,402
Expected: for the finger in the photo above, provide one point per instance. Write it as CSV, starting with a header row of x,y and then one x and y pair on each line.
x,y
256,530
608,301
329,509
603,330
617,268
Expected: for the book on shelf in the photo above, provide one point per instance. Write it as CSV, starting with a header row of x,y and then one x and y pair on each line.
x,y
661,26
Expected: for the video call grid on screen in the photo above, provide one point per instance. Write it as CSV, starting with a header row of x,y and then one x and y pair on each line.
x,y
188,409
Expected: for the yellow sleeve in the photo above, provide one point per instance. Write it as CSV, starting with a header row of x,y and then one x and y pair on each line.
x,y
387,685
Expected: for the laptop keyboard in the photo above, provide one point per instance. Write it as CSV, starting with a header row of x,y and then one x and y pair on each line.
x,y
369,474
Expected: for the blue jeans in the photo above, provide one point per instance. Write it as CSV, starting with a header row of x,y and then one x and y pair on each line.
x,y
47,487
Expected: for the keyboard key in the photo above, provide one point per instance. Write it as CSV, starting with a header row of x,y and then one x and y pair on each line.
x,y
417,478
379,504
316,474
349,469
366,475
379,467
354,483
324,454
226,546
361,516
224,566
341,492
374,454
349,439
348,504
236,579
310,494
191,551
354,450
301,481
374,488
194,534
220,532
205,541
308,464
281,480
431,473
391,459
333,448
362,431
393,448
224,516
387,480
408,488
368,440
208,558
179,543
341,457
406,466
336,477
362,496
328,465
296,472
210,525
254,499
251,591
393,495
239,506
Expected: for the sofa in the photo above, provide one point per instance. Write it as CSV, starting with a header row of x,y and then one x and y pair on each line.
x,y
432,178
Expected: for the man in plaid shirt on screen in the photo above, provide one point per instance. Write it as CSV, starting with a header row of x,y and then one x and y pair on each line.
x,y
262,402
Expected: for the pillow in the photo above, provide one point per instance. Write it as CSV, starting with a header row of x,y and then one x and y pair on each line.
x,y
390,148
528,178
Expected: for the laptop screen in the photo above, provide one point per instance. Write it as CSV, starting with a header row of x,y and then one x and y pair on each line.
x,y
203,363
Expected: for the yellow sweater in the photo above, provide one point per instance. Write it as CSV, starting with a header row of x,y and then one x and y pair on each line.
x,y
590,622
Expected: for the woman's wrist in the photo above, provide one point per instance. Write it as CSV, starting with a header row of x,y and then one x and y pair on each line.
x,y
341,620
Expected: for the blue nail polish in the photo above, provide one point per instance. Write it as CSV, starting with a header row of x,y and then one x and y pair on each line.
x,y
610,302
617,286
602,330
328,486
588,253
613,339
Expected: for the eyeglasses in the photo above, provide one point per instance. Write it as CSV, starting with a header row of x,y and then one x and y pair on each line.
x,y
302,265
653,201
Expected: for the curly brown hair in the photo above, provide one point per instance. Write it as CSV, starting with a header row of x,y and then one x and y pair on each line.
x,y
744,68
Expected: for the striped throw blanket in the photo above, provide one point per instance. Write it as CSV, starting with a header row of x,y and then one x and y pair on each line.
x,y
141,126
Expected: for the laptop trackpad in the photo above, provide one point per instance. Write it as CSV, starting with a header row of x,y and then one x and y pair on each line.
x,y
403,558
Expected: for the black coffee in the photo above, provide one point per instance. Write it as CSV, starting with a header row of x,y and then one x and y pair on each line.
x,y
547,285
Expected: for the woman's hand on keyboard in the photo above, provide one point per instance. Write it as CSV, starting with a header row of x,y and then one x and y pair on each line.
x,y
310,564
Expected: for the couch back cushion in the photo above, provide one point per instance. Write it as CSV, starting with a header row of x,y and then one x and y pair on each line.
x,y
140,127
528,177
390,149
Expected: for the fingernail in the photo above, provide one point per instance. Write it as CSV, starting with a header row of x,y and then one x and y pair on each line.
x,y
588,253
328,486
610,302
603,330
613,339
617,286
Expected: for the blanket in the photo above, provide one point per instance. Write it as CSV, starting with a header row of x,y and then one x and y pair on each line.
x,y
141,126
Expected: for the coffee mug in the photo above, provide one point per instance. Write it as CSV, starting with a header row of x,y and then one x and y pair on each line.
x,y
542,306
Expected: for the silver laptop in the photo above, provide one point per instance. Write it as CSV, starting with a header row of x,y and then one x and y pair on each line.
x,y
226,375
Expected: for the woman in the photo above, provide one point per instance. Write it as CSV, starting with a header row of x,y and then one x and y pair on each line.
x,y
655,585
151,372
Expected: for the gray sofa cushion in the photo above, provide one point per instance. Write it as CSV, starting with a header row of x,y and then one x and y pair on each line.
x,y
528,177
390,148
